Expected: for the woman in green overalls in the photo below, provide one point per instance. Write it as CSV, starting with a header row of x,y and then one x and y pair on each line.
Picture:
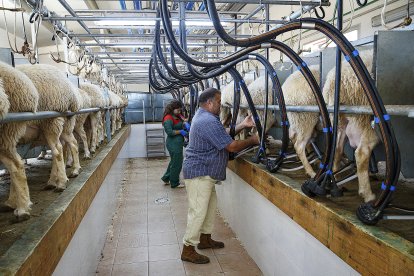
x,y
173,125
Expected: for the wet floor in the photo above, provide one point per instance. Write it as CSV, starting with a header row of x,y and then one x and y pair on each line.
x,y
148,227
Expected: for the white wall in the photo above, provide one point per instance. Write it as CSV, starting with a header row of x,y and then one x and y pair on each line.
x,y
278,245
139,87
84,250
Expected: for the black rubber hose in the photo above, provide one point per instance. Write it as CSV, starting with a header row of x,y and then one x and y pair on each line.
x,y
320,16
237,77
277,94
316,90
362,3
217,83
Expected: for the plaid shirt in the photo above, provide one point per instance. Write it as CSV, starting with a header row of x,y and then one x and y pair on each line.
x,y
206,154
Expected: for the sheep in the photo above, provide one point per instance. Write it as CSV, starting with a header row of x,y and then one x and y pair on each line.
x,y
257,93
356,127
80,122
97,100
4,101
227,95
114,101
57,93
121,110
22,97
296,91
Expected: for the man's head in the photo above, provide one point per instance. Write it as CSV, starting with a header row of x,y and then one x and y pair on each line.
x,y
210,100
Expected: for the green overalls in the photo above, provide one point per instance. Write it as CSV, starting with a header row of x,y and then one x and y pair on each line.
x,y
175,144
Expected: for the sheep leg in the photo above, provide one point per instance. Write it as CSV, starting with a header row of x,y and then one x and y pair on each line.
x,y
19,198
52,132
119,119
73,149
94,132
67,155
42,155
301,135
82,134
113,122
365,139
339,152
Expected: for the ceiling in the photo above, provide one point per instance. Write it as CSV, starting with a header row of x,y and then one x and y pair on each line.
x,y
119,54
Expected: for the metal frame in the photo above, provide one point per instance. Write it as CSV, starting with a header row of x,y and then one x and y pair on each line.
x,y
84,16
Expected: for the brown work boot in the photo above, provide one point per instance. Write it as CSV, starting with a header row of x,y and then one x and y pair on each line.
x,y
207,242
190,255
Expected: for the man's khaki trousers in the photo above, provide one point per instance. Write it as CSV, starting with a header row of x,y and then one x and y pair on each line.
x,y
202,204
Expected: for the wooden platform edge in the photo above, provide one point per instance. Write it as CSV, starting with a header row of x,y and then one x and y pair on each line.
x,y
47,239
367,249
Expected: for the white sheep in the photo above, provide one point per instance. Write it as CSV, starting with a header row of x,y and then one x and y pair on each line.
x,y
80,122
356,127
227,95
296,91
22,97
97,100
4,101
257,93
114,101
57,93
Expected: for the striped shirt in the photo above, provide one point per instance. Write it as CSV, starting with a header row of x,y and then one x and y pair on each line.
x,y
206,154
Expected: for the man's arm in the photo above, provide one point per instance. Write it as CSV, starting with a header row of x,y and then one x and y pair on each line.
x,y
247,123
238,145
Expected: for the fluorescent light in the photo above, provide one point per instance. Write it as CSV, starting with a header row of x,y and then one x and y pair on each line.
x,y
151,23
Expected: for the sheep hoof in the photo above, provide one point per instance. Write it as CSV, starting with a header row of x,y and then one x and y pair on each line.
x,y
87,157
68,165
368,198
4,207
20,216
59,189
49,186
74,174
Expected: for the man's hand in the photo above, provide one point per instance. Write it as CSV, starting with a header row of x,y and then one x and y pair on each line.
x,y
248,122
254,140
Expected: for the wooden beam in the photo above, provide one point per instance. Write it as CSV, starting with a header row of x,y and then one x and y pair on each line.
x,y
368,249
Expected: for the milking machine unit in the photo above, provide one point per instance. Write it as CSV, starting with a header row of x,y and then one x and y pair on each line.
x,y
165,78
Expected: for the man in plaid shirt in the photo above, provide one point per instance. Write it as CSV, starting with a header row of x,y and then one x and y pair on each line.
x,y
204,166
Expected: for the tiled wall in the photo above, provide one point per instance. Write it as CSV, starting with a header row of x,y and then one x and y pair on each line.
x,y
276,243
84,251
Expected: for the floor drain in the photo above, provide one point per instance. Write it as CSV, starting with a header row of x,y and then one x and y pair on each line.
x,y
162,200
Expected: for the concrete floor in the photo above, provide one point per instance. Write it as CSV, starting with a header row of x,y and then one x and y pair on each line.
x,y
148,227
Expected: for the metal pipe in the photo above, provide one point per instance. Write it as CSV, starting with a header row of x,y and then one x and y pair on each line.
x,y
137,45
274,2
250,15
28,116
153,11
296,14
191,36
149,53
394,110
120,18
73,13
